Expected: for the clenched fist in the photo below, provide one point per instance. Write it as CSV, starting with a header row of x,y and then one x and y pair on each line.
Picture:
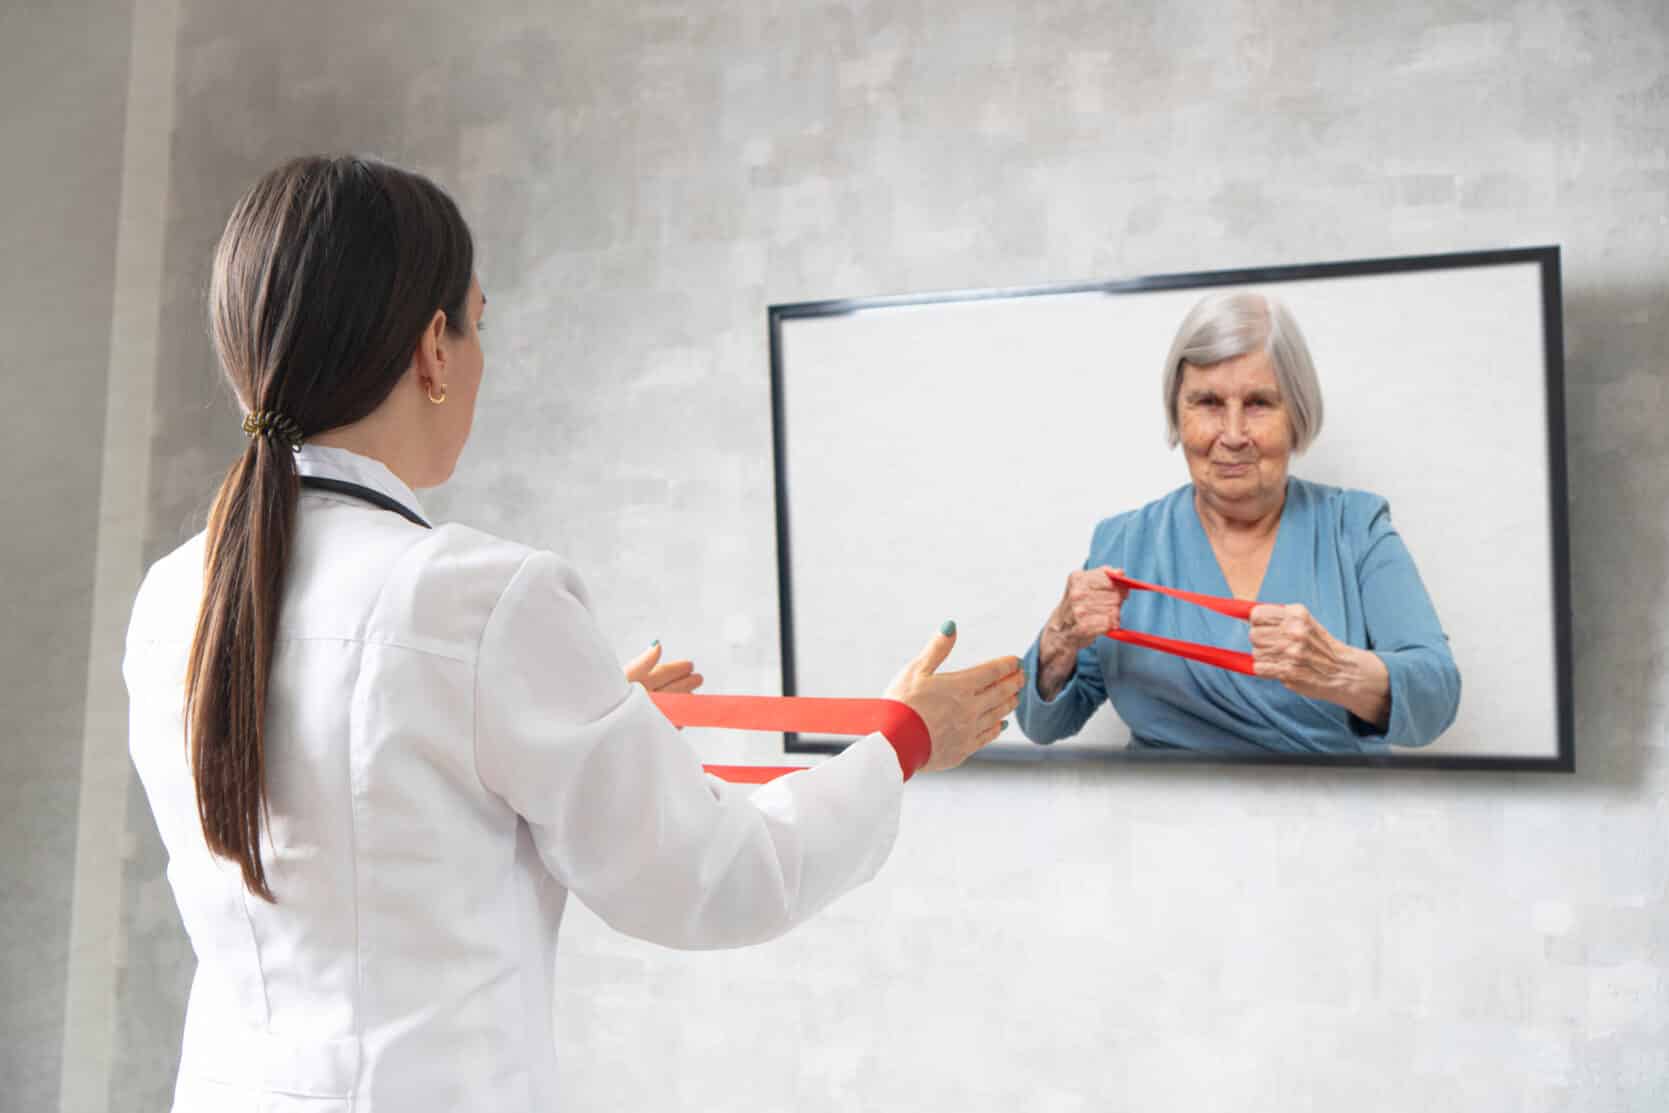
x,y
1289,645
1088,609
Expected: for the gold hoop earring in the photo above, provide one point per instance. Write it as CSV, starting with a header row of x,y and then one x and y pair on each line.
x,y
442,398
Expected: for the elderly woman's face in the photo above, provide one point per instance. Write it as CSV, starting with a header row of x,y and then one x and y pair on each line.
x,y
1235,431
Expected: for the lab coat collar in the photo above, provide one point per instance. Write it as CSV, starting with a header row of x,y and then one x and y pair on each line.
x,y
329,462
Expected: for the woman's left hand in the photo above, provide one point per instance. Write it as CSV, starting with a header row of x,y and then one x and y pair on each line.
x,y
1289,645
648,670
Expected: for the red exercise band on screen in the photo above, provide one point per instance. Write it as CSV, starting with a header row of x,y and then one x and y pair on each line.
x,y
897,721
901,725
1208,654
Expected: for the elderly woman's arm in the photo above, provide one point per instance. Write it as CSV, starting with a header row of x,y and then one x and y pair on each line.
x,y
1404,688
1065,684
1289,645
1405,634
1062,709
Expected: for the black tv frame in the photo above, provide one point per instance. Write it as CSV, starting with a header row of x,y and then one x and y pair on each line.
x,y
1546,258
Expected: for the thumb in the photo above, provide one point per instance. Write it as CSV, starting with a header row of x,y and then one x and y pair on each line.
x,y
937,649
639,667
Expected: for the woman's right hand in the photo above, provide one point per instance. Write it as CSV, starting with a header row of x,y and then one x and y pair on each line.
x,y
963,710
1087,610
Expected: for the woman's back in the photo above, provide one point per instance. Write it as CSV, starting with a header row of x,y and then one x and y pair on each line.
x,y
380,755
413,917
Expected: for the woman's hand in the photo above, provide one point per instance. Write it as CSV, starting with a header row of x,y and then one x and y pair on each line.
x,y
1088,609
673,676
963,710
1289,645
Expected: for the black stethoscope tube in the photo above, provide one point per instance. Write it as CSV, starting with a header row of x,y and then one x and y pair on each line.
x,y
364,494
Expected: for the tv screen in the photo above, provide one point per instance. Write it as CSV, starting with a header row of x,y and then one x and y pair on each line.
x,y
950,456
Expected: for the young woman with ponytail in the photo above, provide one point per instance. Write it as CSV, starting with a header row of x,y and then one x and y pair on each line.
x,y
381,753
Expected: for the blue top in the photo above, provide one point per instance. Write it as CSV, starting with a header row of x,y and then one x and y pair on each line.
x,y
1337,553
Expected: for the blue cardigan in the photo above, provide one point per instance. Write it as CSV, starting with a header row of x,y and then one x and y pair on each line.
x,y
1337,553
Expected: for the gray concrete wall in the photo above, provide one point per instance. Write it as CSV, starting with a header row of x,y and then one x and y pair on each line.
x,y
63,79
644,179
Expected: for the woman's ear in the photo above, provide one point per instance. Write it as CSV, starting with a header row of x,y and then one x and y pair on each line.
x,y
434,338
429,357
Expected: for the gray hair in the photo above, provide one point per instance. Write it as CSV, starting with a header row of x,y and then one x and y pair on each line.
x,y
1233,323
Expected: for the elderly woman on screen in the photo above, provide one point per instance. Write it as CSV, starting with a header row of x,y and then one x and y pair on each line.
x,y
1347,654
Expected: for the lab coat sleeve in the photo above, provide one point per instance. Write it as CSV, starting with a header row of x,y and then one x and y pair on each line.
x,y
620,809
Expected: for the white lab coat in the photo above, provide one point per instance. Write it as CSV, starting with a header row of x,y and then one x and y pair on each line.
x,y
450,750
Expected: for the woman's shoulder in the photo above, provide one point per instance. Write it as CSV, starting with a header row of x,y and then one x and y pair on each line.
x,y
480,565
1147,520
1160,510
452,543
442,592
1347,509
165,607
434,589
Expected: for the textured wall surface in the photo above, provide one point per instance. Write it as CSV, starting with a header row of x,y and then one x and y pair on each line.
x,y
63,70
645,178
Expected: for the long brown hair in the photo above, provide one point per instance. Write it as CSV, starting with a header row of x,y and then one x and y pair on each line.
x,y
326,276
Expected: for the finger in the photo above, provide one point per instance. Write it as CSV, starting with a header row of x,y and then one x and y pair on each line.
x,y
990,734
996,702
995,712
666,672
1100,582
937,649
1092,614
1268,614
1003,696
637,669
684,684
987,673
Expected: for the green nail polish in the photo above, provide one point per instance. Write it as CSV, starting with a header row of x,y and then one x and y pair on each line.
x,y
654,643
1002,726
948,627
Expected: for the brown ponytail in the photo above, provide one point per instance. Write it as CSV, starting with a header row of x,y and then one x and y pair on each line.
x,y
326,275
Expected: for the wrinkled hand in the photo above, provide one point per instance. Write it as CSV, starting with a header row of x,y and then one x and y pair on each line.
x,y
1088,609
963,710
648,670
1289,645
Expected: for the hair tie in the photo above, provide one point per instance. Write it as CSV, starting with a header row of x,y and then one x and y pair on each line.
x,y
271,423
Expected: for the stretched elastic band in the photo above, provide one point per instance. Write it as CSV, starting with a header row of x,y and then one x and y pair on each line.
x,y
902,727
1206,654
751,774
1234,608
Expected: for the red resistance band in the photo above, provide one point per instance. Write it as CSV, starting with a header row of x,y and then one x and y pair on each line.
x,y
1208,654
897,721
